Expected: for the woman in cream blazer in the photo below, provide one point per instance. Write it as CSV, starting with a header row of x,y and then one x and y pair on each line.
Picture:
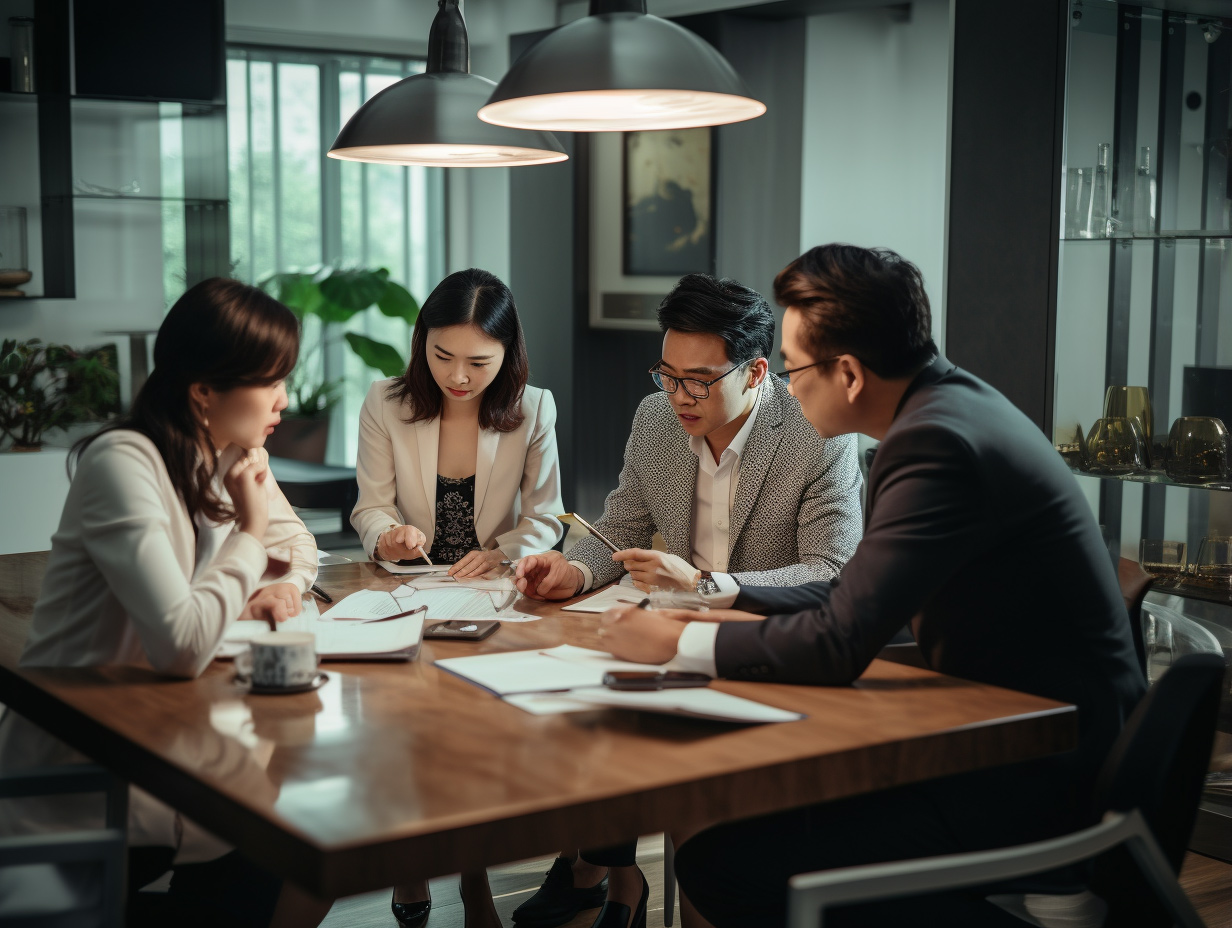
x,y
461,412
173,528
457,459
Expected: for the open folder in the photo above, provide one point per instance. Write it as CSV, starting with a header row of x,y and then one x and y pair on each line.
x,y
359,628
569,679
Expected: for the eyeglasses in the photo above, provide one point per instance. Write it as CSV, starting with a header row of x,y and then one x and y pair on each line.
x,y
786,375
698,389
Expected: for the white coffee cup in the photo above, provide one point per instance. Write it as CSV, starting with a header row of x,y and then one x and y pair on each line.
x,y
280,660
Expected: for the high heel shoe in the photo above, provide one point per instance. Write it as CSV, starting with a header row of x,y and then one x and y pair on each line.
x,y
616,914
411,914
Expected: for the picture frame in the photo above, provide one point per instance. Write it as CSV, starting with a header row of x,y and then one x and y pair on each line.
x,y
667,202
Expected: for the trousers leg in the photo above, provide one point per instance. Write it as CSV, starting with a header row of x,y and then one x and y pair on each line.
x,y
618,855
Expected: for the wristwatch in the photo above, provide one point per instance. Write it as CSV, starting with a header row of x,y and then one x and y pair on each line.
x,y
706,584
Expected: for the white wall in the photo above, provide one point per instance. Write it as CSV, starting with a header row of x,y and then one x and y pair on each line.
x,y
876,102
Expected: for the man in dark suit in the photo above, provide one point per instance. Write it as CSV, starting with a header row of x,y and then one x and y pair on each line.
x,y
976,536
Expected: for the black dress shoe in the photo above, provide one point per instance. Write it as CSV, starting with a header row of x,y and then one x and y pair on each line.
x,y
557,900
411,914
617,914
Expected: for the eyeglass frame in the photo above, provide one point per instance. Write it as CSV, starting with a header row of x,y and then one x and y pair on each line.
x,y
707,384
786,374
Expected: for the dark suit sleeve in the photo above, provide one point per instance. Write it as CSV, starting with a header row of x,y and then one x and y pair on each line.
x,y
926,520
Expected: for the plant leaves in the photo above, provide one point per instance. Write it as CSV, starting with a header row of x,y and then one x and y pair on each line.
x,y
354,290
298,292
397,303
384,358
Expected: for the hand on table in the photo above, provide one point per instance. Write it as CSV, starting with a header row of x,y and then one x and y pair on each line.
x,y
477,563
657,568
277,602
547,576
401,543
644,636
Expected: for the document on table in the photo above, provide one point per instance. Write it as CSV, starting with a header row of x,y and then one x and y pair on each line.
x,y
367,605
696,702
464,599
357,638
608,598
414,568
562,668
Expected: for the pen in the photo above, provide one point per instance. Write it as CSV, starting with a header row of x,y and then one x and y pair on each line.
x,y
425,556
321,593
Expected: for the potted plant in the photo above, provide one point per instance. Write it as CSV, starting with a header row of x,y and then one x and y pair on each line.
x,y
46,386
332,297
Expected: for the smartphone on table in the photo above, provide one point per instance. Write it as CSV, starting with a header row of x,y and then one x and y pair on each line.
x,y
462,629
653,680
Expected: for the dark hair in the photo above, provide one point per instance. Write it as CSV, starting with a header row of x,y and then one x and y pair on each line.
x,y
868,302
727,308
221,333
481,299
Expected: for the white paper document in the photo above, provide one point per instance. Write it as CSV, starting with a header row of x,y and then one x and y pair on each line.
x,y
339,639
609,598
414,568
366,605
697,702
562,668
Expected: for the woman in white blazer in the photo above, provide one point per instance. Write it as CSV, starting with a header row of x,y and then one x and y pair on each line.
x,y
457,458
173,528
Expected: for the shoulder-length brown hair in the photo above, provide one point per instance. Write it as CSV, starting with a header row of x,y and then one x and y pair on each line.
x,y
478,298
221,333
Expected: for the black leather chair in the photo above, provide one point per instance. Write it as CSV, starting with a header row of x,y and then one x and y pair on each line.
x,y
317,486
1145,805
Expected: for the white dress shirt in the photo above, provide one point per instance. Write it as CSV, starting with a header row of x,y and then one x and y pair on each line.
x,y
716,481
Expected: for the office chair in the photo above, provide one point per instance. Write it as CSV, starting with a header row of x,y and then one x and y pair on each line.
x,y
1145,802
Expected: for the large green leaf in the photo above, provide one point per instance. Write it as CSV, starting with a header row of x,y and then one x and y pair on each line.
x,y
10,359
397,303
354,290
298,292
384,358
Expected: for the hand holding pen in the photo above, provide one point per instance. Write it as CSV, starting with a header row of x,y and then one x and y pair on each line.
x,y
402,543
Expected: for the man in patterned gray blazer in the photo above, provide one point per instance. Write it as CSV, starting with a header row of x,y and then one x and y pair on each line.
x,y
722,463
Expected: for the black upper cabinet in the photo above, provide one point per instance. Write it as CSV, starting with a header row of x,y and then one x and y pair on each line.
x,y
151,50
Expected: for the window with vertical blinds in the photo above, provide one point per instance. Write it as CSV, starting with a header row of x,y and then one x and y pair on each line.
x,y
294,209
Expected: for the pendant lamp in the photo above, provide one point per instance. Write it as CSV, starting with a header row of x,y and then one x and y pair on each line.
x,y
619,70
429,119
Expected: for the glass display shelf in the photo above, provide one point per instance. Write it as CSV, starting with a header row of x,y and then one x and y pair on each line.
x,y
1153,477
142,198
1165,235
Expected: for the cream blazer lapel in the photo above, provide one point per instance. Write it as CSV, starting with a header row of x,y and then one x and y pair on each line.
x,y
485,459
427,439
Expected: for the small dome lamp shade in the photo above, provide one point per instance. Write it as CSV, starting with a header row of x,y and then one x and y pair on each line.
x,y
430,119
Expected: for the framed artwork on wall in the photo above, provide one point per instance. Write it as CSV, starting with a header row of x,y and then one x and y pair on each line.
x,y
668,203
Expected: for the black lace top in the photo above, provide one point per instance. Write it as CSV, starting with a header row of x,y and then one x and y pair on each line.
x,y
455,519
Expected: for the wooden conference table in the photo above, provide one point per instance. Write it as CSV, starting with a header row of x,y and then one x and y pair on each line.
x,y
392,771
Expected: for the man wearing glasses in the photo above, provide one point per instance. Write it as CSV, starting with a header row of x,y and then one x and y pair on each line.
x,y
722,463
963,491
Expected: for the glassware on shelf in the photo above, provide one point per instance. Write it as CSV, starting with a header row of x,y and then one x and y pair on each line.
x,y
14,261
1197,450
1144,194
1077,201
1116,447
1214,565
1101,196
1162,558
1071,443
1133,403
21,54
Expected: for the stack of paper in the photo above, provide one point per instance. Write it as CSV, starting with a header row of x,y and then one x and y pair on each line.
x,y
389,637
569,679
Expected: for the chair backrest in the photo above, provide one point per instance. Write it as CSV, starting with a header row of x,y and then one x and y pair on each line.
x,y
1159,762
1135,582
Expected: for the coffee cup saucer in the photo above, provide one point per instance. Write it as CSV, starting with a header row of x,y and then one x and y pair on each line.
x,y
256,689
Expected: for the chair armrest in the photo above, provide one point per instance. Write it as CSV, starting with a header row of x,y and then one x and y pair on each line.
x,y
52,781
813,893
61,847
